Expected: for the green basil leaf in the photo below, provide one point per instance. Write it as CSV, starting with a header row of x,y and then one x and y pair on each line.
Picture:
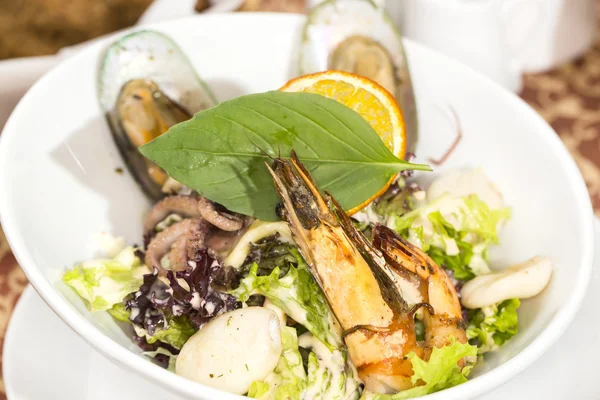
x,y
221,152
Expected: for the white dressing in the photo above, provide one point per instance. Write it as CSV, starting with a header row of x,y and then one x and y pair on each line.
x,y
521,281
451,208
332,377
257,231
233,350
278,311
368,216
460,183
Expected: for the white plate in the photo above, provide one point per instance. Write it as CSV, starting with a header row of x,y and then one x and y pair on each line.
x,y
69,369
58,364
58,184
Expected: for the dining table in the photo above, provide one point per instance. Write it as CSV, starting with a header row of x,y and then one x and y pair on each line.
x,y
567,97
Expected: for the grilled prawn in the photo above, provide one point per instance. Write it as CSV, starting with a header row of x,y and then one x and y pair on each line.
x,y
361,282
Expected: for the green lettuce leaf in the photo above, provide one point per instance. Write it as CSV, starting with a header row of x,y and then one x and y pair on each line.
x,y
439,373
298,295
397,200
258,390
178,330
455,231
119,312
330,375
104,283
163,351
288,380
490,327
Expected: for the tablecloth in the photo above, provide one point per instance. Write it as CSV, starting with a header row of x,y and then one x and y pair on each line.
x,y
567,97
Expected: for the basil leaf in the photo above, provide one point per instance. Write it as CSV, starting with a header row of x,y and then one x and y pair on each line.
x,y
221,152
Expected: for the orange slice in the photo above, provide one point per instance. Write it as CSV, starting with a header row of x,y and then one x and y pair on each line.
x,y
375,104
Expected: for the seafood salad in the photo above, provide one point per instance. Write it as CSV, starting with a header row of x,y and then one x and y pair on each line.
x,y
290,252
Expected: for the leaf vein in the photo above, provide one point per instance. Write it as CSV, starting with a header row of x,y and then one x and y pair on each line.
x,y
281,126
344,144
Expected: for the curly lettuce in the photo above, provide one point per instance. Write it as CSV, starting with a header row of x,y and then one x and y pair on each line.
x,y
330,376
103,283
439,373
455,231
174,332
298,295
490,327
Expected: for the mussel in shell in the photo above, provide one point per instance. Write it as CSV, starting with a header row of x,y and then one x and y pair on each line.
x,y
359,37
146,85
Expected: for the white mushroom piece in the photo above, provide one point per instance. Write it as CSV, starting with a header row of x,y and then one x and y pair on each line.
x,y
520,281
233,350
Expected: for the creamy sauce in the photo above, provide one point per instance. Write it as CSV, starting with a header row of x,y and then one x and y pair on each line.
x,y
334,377
457,214
278,311
195,302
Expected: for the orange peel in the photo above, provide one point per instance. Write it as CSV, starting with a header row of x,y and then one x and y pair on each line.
x,y
369,99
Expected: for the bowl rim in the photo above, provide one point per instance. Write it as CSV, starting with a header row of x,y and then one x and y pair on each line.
x,y
181,386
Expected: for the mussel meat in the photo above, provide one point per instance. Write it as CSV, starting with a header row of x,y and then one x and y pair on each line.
x,y
359,37
146,85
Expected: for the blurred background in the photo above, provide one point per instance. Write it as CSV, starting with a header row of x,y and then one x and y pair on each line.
x,y
548,54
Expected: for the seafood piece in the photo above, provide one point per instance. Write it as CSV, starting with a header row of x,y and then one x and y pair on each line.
x,y
185,206
436,287
145,86
360,286
192,207
233,350
520,281
181,225
225,220
175,241
359,37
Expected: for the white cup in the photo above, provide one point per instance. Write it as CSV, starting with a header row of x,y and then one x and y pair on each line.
x,y
569,30
492,36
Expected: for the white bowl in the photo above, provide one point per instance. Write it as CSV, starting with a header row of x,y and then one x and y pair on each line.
x,y
58,184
